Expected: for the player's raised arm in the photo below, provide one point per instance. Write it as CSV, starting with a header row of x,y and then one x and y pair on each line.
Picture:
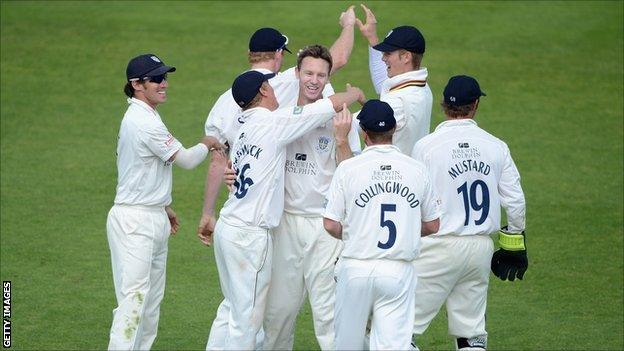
x,y
375,64
342,47
342,127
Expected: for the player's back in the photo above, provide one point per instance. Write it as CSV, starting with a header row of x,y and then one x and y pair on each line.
x,y
383,191
465,164
259,155
411,99
417,103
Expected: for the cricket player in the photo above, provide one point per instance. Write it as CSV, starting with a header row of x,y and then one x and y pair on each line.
x,y
379,203
397,75
266,53
474,175
304,255
243,245
141,220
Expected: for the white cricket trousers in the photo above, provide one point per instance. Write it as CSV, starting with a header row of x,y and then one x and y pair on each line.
x,y
243,256
455,270
137,236
382,290
304,257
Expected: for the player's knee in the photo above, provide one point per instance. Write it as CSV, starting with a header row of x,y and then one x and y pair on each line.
x,y
477,343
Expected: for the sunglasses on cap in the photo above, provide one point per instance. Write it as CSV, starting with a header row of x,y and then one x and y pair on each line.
x,y
154,79
285,43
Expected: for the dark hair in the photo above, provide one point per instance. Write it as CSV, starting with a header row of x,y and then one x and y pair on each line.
x,y
380,137
457,111
316,51
129,90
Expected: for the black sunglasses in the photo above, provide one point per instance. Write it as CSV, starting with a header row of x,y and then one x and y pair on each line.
x,y
156,79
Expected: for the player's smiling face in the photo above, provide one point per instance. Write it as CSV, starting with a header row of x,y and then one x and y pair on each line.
x,y
152,93
397,62
313,75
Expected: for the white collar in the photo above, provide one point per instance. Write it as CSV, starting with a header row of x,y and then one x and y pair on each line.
x,y
457,123
262,70
143,105
253,111
381,148
420,74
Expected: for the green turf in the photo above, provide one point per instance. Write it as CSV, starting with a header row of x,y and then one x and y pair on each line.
x,y
553,72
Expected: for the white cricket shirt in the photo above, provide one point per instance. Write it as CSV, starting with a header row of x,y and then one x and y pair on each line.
x,y
409,96
474,175
310,165
259,155
381,197
143,149
224,119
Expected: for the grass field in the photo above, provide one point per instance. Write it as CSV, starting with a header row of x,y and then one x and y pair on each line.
x,y
553,72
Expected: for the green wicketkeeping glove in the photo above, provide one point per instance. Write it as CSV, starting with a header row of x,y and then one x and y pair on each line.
x,y
510,261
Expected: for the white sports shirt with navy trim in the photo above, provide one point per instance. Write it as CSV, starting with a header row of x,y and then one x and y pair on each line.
x,y
380,197
411,99
144,148
259,155
224,118
474,175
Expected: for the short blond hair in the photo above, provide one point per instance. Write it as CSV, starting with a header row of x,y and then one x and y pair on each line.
x,y
416,58
257,57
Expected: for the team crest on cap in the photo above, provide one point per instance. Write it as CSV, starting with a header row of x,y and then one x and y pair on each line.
x,y
323,144
155,59
382,124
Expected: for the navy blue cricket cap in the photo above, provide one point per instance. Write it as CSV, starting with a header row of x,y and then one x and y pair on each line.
x,y
246,86
376,116
147,65
403,37
267,40
462,90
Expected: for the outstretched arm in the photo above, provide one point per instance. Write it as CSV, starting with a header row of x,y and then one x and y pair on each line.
x,y
342,47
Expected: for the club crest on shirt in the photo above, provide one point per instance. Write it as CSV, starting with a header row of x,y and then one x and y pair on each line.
x,y
323,144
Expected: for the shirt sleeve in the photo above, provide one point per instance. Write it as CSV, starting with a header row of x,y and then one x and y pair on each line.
x,y
221,110
430,208
511,194
328,90
417,153
354,137
335,198
399,110
377,68
160,142
293,122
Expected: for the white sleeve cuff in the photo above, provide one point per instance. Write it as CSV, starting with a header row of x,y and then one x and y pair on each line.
x,y
190,158
377,68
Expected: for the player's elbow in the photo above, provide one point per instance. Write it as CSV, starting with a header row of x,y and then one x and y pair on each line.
x,y
430,227
333,228
337,63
